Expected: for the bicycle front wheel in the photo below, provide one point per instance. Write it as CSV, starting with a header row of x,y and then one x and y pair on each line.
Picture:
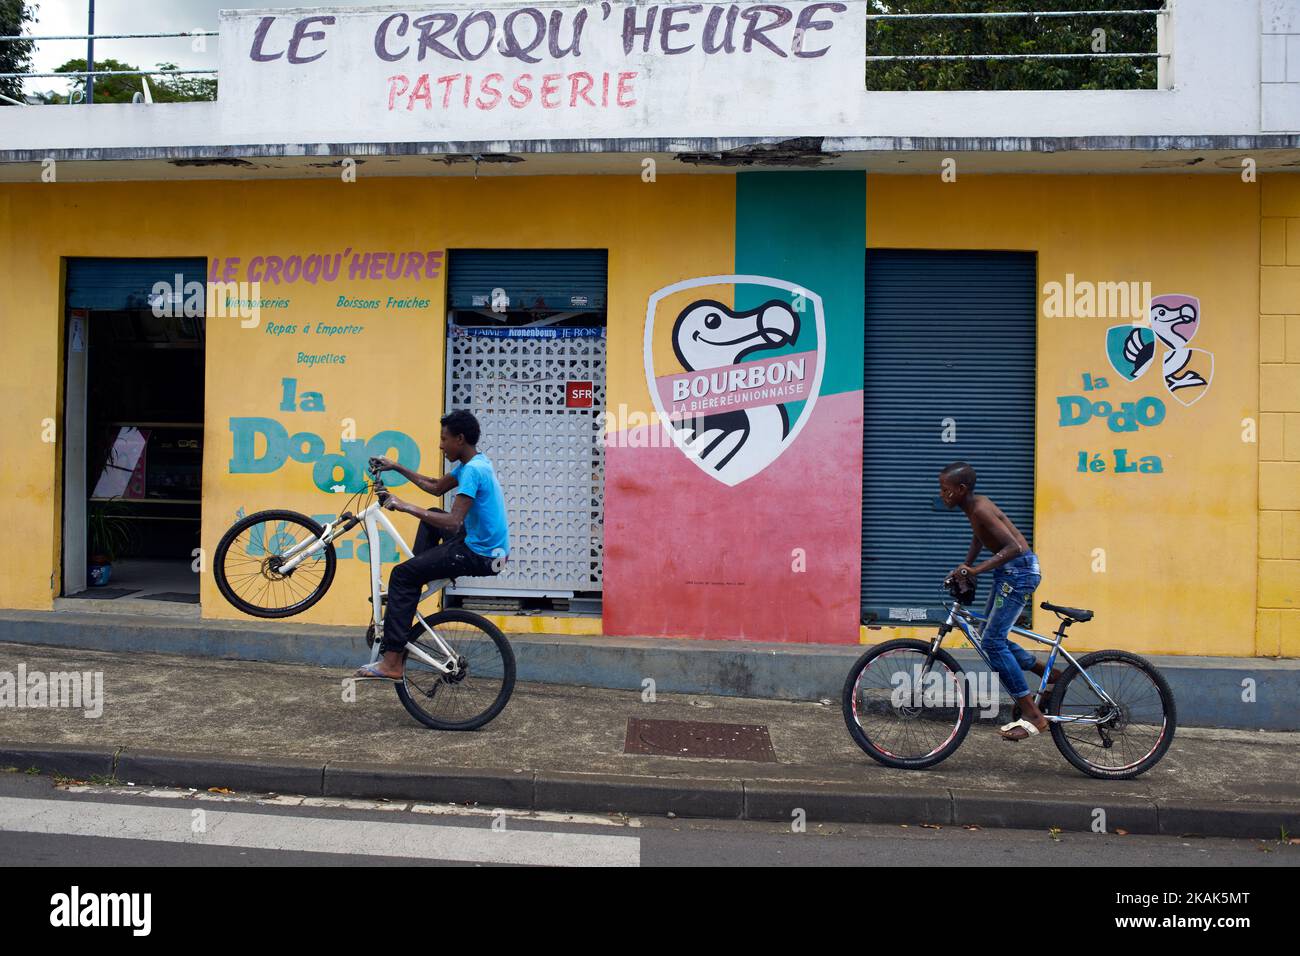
x,y
1133,734
903,714
482,674
248,559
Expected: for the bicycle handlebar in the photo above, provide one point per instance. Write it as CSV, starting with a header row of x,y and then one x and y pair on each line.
x,y
959,594
377,483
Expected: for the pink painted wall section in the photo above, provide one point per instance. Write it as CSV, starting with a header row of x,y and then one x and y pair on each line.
x,y
732,554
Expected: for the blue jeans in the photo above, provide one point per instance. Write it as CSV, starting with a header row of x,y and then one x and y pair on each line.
x,y
1013,585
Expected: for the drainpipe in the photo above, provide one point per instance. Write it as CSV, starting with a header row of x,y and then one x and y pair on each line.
x,y
1165,45
90,55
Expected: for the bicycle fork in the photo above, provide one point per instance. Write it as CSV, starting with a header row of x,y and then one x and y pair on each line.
x,y
935,644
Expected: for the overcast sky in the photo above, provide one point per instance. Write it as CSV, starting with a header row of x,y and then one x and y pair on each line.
x,y
60,17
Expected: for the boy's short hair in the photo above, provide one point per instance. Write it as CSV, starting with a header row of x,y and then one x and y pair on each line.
x,y
961,473
463,423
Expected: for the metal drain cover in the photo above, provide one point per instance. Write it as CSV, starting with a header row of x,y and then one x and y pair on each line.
x,y
693,738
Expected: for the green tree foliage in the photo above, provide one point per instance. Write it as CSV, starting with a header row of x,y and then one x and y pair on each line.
x,y
121,89
15,57
1074,34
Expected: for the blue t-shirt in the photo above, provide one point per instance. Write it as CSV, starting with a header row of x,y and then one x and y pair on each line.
x,y
486,531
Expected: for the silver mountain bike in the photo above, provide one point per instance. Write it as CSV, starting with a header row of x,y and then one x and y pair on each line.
x,y
908,704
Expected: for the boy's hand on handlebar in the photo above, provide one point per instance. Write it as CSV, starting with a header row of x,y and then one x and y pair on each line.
x,y
964,573
381,464
961,577
390,502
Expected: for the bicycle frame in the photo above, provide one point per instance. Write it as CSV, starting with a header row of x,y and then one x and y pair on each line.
x,y
969,624
374,520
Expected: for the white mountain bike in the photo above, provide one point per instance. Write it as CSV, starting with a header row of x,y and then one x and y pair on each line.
x,y
460,669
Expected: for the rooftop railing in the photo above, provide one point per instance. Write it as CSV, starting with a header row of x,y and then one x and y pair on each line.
x,y
77,96
920,57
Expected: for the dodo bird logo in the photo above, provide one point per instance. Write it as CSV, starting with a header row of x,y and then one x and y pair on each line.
x,y
1174,319
734,384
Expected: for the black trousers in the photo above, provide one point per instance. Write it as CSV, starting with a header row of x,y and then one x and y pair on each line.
x,y
437,555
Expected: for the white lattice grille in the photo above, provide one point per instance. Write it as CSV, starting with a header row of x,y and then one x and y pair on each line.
x,y
549,458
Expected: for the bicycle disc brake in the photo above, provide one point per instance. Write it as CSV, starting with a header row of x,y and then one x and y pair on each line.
x,y
1115,719
461,671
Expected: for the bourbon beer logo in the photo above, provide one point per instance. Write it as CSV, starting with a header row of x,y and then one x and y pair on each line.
x,y
734,384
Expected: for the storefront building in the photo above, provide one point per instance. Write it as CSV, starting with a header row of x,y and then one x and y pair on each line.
x,y
1111,339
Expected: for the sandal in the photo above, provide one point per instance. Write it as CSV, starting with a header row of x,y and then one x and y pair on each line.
x,y
1008,731
370,672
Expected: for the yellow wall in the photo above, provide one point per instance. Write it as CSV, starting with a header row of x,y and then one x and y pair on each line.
x,y
1180,568
30,330
656,233
1279,405
1183,548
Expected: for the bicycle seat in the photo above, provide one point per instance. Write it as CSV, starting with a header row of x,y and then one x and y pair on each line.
x,y
1073,613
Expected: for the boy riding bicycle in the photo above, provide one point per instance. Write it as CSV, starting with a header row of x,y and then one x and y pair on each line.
x,y
1015,576
471,540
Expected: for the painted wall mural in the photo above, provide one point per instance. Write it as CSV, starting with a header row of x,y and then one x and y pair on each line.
x,y
1175,319
315,331
739,515
736,396
1132,351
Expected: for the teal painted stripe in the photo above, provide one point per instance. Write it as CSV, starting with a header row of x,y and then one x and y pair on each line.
x,y
809,228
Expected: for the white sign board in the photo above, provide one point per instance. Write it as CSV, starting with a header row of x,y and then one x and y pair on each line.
x,y
474,71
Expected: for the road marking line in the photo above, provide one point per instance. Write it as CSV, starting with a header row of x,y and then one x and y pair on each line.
x,y
440,809
318,835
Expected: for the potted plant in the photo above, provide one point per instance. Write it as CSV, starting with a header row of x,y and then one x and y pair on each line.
x,y
107,536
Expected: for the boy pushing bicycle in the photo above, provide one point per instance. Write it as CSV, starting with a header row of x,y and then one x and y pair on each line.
x,y
1015,576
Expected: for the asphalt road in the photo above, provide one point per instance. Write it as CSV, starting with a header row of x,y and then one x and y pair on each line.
x,y
42,824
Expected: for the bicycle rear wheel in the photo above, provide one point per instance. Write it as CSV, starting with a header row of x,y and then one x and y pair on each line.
x,y
1136,732
481,683
901,714
247,560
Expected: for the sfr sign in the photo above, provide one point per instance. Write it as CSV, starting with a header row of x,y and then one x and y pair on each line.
x,y
578,395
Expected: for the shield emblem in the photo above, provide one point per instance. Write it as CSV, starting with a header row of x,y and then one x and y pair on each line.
x,y
734,366
1131,350
1188,373
1175,319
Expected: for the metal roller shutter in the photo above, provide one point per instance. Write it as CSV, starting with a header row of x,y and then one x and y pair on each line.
x,y
547,279
115,284
949,335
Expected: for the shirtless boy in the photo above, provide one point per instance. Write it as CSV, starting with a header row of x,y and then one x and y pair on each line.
x,y
1015,576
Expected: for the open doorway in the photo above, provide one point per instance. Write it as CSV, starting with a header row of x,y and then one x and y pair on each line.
x,y
133,432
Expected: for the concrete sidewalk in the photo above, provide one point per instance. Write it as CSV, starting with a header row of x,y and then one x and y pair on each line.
x,y
1222,692
286,728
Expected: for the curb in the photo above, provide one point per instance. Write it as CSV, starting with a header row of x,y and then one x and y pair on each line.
x,y
734,799
611,793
